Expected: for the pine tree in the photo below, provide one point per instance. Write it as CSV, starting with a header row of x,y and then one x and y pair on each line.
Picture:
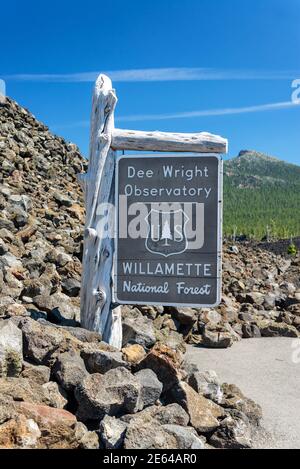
x,y
166,233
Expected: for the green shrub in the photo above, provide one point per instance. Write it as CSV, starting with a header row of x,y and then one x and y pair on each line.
x,y
292,249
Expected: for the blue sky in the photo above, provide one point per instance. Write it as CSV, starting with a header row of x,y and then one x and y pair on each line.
x,y
176,65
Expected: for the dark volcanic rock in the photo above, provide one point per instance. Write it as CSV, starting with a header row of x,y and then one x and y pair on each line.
x,y
151,387
102,358
42,343
69,370
137,329
171,414
203,412
11,349
112,432
114,393
165,363
233,433
38,373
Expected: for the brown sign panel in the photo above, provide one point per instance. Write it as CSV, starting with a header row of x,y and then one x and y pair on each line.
x,y
168,230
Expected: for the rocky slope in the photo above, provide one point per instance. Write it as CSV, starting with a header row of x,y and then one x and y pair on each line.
x,y
41,215
60,385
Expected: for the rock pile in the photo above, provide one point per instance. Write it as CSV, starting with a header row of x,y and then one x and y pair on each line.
x,y
65,388
60,385
261,298
41,218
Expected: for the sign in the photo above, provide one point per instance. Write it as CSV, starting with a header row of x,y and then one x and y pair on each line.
x,y
168,236
165,245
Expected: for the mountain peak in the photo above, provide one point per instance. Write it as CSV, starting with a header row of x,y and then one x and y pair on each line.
x,y
253,169
244,152
256,155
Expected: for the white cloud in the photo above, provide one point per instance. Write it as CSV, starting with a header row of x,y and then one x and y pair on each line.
x,y
209,112
190,114
159,74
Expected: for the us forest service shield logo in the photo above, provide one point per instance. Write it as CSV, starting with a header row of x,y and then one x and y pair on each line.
x,y
166,233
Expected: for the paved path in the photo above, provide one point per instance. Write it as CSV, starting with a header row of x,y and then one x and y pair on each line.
x,y
264,370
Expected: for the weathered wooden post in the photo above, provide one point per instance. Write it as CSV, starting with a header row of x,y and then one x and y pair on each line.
x,y
98,310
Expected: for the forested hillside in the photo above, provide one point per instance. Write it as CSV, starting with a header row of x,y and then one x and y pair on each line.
x,y
261,196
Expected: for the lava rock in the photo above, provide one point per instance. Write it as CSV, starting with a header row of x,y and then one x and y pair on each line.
x,y
233,433
171,414
114,393
187,437
57,397
71,287
11,349
112,432
38,373
42,343
19,432
137,329
151,387
165,363
133,353
234,399
276,329
69,370
102,357
185,316
207,384
215,339
57,426
150,435
21,389
203,413
67,309
86,439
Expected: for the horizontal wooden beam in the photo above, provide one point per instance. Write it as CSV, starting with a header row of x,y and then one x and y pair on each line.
x,y
166,141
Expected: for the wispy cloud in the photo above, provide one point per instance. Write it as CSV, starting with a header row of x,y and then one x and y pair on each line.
x,y
209,112
158,74
190,114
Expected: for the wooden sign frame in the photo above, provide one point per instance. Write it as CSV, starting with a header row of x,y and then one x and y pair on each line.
x,y
98,311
